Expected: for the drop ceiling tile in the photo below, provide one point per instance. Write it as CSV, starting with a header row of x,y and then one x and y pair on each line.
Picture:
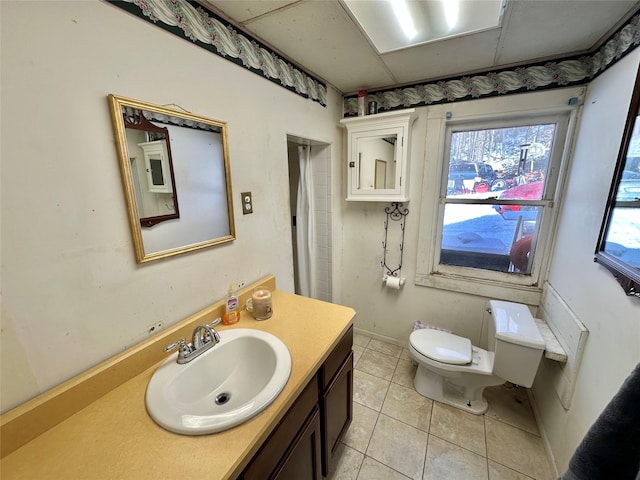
x,y
538,29
444,58
244,10
322,38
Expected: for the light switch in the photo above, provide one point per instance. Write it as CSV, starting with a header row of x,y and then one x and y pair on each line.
x,y
247,203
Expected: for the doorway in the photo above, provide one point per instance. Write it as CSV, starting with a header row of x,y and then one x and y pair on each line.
x,y
311,225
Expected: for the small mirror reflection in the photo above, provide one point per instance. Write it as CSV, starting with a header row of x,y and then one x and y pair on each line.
x,y
376,169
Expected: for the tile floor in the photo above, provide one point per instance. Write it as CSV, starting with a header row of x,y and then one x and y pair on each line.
x,y
397,434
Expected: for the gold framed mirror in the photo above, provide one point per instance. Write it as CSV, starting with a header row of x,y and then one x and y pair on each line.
x,y
176,177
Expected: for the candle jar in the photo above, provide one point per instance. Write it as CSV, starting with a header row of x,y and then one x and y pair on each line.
x,y
260,304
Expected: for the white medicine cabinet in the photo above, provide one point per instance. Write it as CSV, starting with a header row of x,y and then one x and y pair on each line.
x,y
156,162
378,156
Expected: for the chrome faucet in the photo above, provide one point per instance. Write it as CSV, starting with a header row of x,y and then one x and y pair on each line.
x,y
204,337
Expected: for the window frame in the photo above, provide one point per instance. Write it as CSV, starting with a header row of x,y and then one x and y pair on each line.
x,y
507,286
626,275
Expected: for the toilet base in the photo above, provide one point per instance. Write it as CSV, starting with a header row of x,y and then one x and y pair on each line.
x,y
468,398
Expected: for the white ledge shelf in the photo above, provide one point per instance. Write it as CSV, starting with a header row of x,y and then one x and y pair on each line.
x,y
552,350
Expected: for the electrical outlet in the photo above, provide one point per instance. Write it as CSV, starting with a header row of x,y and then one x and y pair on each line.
x,y
247,203
239,285
155,328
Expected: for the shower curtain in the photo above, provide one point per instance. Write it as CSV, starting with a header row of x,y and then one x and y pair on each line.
x,y
304,225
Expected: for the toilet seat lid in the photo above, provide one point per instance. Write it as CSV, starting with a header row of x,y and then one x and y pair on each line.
x,y
442,346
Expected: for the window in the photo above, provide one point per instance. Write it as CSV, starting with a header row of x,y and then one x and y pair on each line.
x,y
495,213
618,247
494,202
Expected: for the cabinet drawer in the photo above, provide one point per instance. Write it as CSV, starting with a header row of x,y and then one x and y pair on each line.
x,y
336,359
264,463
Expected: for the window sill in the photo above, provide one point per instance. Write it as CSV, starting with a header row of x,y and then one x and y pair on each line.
x,y
529,295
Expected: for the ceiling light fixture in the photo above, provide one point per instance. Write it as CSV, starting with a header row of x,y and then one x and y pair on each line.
x,y
403,16
422,21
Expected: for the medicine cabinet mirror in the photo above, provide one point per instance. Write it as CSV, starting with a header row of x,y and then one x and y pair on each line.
x,y
378,156
176,178
619,244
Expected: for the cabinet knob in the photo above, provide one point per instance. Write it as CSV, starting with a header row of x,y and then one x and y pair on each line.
x,y
352,164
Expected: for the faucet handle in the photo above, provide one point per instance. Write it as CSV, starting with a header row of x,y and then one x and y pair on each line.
x,y
183,348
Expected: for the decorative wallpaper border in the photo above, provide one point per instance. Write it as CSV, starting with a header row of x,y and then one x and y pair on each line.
x,y
191,21
553,74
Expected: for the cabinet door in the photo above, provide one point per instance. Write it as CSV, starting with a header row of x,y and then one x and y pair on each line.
x,y
303,460
271,456
375,166
337,411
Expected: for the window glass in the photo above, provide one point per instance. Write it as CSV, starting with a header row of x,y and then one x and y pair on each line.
x,y
494,198
623,237
499,158
481,236
629,186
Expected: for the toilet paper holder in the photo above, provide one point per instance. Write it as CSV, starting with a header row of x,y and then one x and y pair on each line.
x,y
396,213
395,283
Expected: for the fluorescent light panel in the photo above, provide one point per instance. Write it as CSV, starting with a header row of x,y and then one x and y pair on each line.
x,y
397,24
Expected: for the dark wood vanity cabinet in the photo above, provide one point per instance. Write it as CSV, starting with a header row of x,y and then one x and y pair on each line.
x,y
303,444
292,451
336,401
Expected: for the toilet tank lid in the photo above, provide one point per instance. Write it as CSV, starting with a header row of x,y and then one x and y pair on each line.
x,y
442,346
514,324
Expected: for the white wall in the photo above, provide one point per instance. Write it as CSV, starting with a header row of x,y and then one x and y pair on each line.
x,y
589,290
72,292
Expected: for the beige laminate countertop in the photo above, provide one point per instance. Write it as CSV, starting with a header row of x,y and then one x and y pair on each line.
x,y
114,437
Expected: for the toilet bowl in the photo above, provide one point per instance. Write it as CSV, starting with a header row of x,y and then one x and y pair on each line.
x,y
453,371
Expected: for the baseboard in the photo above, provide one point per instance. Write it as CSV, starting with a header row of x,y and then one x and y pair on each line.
x,y
382,338
545,440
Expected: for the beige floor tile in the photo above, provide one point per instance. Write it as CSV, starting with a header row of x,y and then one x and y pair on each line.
x,y
519,450
459,427
374,470
346,465
500,472
360,339
405,355
385,347
357,353
378,364
446,461
510,404
369,390
405,373
361,428
398,446
408,406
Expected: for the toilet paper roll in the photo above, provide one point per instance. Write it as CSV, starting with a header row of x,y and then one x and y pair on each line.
x,y
393,283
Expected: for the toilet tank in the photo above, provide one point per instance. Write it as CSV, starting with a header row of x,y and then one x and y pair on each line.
x,y
516,341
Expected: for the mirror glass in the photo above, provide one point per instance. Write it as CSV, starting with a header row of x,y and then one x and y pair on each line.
x,y
619,244
176,178
376,169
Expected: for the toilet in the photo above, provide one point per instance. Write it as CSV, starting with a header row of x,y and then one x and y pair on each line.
x,y
453,371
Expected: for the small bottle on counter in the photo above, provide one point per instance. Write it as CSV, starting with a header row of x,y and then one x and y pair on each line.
x,y
231,311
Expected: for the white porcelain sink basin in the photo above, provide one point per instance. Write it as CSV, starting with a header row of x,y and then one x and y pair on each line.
x,y
225,386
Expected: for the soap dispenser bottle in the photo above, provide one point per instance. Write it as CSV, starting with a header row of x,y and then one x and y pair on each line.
x,y
231,310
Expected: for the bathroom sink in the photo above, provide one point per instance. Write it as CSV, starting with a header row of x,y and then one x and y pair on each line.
x,y
224,387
